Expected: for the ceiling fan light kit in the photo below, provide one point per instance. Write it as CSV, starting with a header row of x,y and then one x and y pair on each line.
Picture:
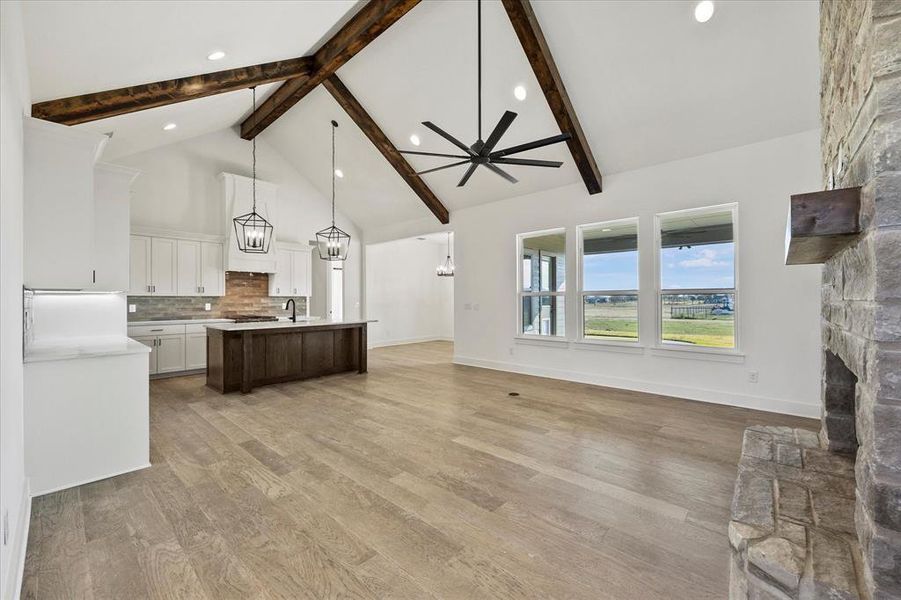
x,y
482,152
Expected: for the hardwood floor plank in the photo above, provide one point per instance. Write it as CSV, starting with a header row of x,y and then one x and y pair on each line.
x,y
418,480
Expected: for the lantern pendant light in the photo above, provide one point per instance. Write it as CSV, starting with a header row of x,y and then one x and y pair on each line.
x,y
331,241
446,269
252,232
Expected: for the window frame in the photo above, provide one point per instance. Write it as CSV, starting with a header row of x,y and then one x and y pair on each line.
x,y
521,293
581,292
660,291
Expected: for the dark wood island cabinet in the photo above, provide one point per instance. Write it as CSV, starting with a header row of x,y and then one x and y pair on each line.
x,y
241,356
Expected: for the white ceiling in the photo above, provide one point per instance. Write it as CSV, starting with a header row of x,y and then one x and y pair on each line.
x,y
648,82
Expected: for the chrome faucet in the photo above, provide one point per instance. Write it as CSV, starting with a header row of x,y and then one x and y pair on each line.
x,y
293,309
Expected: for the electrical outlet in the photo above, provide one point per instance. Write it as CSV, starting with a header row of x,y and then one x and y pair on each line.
x,y
753,376
207,306
132,308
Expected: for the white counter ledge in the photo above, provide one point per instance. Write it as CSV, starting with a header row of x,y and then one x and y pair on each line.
x,y
283,324
88,348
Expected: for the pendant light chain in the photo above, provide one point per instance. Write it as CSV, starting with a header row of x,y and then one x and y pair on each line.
x,y
253,232
334,126
254,90
479,47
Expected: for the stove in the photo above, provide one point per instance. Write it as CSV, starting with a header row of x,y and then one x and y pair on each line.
x,y
252,318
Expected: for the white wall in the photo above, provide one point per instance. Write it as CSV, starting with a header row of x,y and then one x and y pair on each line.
x,y
779,306
15,102
179,190
410,302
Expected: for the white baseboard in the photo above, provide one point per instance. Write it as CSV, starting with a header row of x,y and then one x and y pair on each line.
x,y
90,480
418,340
776,405
19,545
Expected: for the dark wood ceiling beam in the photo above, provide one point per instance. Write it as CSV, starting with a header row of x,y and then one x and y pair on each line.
x,y
356,112
370,22
111,103
535,46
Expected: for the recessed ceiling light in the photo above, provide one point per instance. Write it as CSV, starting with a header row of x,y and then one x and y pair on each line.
x,y
703,11
414,139
169,126
519,92
217,55
339,173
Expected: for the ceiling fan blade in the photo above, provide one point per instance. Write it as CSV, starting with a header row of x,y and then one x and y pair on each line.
x,y
499,130
449,138
468,174
456,164
501,172
527,162
418,153
556,139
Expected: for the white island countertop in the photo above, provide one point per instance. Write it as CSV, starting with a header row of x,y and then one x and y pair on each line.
x,y
283,324
82,348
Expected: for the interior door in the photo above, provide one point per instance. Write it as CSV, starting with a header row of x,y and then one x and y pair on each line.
x,y
212,271
188,268
336,291
170,353
163,266
139,266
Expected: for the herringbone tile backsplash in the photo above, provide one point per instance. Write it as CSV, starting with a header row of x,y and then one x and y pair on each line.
x,y
245,293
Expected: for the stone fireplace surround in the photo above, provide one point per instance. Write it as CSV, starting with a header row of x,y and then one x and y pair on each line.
x,y
819,515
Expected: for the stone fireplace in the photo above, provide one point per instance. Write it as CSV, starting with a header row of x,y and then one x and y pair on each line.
x,y
819,516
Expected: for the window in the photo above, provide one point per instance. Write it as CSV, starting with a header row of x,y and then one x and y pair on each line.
x,y
697,290
609,291
542,283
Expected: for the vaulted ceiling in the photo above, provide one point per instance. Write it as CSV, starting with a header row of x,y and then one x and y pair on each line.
x,y
648,83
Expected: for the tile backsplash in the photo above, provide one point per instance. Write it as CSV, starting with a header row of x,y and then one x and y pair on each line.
x,y
245,293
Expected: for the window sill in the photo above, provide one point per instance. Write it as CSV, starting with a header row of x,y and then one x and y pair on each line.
x,y
551,341
710,354
603,346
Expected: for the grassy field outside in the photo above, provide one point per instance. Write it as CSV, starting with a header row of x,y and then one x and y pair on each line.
x,y
619,321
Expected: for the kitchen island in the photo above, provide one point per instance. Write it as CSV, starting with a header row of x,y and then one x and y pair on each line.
x,y
241,356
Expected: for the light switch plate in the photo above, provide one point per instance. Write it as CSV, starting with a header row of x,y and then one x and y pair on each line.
x,y
207,306
132,308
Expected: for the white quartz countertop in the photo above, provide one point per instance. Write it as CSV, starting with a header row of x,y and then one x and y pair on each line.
x,y
82,348
281,324
178,322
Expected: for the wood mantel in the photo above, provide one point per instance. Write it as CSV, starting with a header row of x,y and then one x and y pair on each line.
x,y
241,357
820,224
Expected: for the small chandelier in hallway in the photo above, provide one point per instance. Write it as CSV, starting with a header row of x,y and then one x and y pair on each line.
x,y
447,268
332,242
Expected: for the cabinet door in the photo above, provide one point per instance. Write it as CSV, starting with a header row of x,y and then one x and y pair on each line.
x,y
188,268
280,281
301,273
150,342
139,266
212,271
195,351
163,266
170,353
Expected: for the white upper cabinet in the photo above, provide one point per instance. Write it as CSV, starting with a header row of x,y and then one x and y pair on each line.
x,y
212,270
294,272
238,197
188,268
139,268
112,198
163,266
59,207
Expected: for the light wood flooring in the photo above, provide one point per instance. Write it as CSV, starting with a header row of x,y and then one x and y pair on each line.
x,y
420,479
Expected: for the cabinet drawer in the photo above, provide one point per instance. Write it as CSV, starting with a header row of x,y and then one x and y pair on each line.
x,y
145,330
195,329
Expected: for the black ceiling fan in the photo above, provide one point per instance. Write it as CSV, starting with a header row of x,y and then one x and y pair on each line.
x,y
482,152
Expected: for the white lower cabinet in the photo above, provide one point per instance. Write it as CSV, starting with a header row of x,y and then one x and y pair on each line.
x,y
150,342
170,351
195,351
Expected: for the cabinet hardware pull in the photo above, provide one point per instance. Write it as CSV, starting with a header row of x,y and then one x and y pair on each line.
x,y
94,276
148,288
156,330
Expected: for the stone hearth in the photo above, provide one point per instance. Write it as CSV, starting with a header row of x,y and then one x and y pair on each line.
x,y
792,531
